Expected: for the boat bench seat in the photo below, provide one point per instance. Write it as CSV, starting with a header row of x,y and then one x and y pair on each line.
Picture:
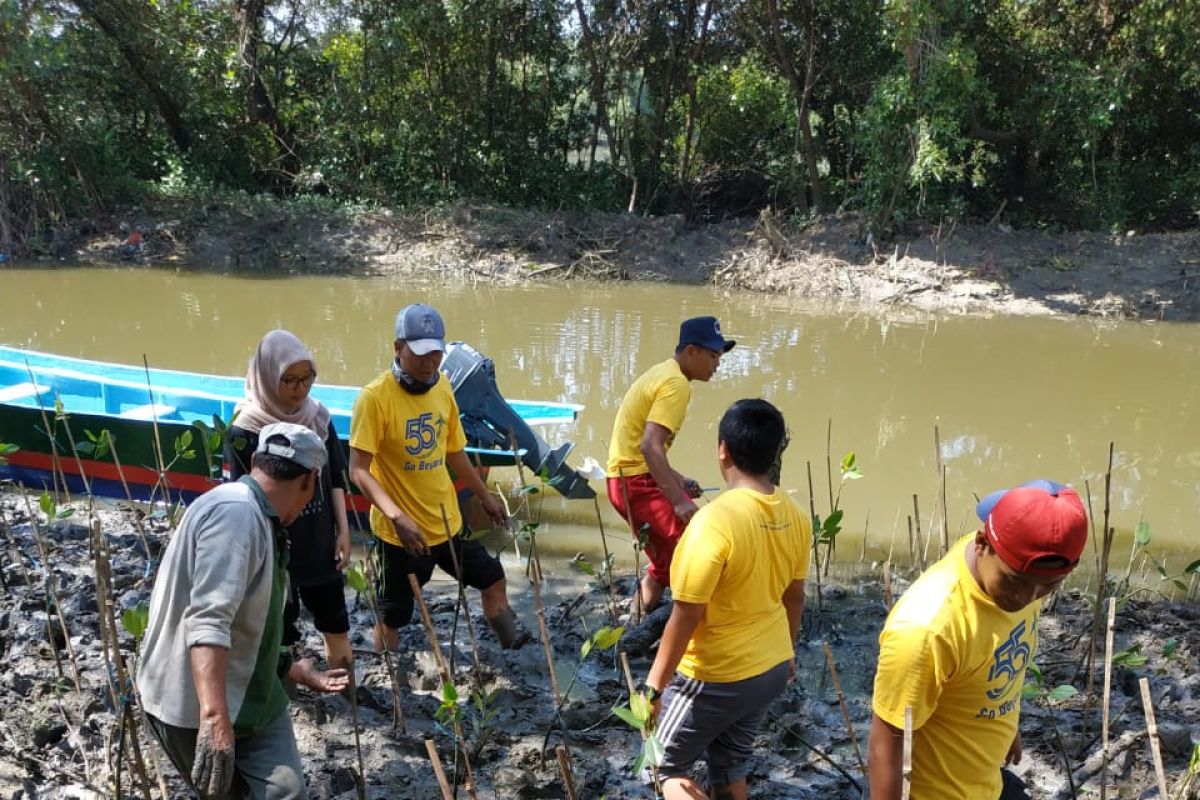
x,y
21,391
149,411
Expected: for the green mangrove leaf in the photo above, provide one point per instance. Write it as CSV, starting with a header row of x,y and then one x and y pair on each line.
x,y
585,648
134,620
1192,568
1141,534
606,638
46,503
355,579
1169,647
1062,692
627,715
1133,657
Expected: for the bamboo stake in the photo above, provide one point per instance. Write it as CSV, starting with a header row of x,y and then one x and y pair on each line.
x,y
53,591
1108,645
512,439
430,631
56,468
912,550
462,601
906,774
545,631
1152,730
564,766
137,519
377,618
923,545
812,510
1101,578
637,551
608,564
444,671
158,451
837,685
108,631
887,583
436,761
941,468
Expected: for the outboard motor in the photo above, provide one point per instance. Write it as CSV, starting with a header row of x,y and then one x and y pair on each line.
x,y
489,421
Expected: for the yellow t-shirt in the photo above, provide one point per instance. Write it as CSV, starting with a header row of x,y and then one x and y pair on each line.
x,y
738,555
660,395
959,660
409,436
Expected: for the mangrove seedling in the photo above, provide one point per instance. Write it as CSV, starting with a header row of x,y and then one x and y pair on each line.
x,y
6,450
135,620
638,716
825,531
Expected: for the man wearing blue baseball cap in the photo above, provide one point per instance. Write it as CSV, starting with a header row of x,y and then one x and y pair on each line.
x,y
956,646
642,485
405,434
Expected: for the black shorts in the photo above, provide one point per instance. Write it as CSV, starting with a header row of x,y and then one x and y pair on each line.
x,y
480,570
326,602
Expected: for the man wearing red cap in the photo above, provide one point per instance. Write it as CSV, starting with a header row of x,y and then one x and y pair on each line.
x,y
956,646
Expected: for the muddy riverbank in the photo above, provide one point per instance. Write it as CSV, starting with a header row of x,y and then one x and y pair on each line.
x,y
958,268
59,742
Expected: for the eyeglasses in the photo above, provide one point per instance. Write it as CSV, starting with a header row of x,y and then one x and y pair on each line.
x,y
295,383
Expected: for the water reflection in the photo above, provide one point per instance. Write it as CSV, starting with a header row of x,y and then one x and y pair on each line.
x,y
1014,398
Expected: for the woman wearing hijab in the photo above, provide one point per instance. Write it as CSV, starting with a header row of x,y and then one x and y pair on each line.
x,y
281,374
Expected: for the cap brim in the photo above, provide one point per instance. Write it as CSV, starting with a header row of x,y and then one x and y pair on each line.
x,y
423,347
729,345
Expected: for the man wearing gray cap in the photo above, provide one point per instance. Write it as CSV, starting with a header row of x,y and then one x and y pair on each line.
x,y
209,671
404,434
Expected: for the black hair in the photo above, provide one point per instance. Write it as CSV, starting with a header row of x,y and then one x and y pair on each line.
x,y
754,434
278,467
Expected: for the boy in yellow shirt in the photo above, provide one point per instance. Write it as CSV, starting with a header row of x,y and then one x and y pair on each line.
x,y
956,646
642,485
738,580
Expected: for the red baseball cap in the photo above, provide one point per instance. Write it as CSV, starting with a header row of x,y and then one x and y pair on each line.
x,y
1038,519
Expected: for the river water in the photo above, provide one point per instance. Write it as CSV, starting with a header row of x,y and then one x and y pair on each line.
x,y
1013,398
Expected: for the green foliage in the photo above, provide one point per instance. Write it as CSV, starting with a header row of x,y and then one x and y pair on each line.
x,y
1067,113
1034,689
7,450
52,510
134,620
1132,657
98,445
638,715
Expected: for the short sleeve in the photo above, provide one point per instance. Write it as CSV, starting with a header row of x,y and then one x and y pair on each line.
x,y
365,425
670,404
914,664
456,437
698,561
804,557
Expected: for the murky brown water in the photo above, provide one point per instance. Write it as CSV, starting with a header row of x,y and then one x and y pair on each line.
x,y
1014,398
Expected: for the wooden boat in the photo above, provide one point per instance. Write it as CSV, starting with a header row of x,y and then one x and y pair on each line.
x,y
154,434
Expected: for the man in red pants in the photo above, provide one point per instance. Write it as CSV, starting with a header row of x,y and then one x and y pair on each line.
x,y
642,486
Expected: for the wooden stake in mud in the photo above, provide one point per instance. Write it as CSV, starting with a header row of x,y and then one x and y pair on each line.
x,y
608,564
436,761
112,651
430,631
637,551
462,601
56,469
564,766
906,774
923,545
51,590
545,631
941,468
158,451
887,583
1108,645
398,710
837,685
812,510
1152,729
1101,579
912,550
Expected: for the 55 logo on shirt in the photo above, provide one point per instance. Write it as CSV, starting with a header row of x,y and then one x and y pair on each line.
x,y
1009,661
421,434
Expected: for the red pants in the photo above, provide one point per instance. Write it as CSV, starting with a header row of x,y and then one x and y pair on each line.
x,y
650,509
